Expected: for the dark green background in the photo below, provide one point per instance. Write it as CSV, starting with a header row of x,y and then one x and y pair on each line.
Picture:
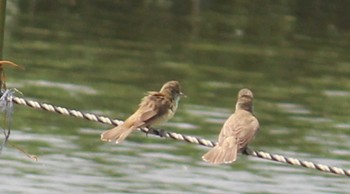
x,y
102,56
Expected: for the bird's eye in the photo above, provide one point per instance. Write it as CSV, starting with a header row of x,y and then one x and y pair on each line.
x,y
246,96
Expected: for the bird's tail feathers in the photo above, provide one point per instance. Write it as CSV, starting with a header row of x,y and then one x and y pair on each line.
x,y
117,134
221,154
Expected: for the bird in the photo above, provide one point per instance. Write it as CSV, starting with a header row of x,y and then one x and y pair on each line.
x,y
238,130
154,108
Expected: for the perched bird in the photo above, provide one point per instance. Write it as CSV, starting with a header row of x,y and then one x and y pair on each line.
x,y
154,108
238,130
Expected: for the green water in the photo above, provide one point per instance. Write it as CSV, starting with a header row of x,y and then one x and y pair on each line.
x,y
102,56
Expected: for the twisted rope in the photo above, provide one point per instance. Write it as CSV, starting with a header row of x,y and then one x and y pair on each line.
x,y
176,136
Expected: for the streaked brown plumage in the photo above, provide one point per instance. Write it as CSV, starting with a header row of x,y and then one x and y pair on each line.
x,y
238,130
154,108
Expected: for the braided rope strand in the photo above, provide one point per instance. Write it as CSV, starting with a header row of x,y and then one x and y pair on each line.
x,y
176,136
106,120
297,162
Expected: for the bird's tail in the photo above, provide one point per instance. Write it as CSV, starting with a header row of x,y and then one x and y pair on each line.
x,y
117,134
221,154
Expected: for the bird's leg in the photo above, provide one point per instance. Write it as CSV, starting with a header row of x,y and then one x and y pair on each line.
x,y
150,130
159,132
247,151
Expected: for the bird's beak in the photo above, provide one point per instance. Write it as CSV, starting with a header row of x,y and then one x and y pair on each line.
x,y
183,95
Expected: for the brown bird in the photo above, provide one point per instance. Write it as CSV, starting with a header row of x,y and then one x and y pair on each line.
x,y
154,108
238,130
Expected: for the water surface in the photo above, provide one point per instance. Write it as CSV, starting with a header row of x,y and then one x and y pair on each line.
x,y
102,56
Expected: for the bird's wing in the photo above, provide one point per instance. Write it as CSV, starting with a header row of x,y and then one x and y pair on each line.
x,y
248,133
151,107
229,128
241,127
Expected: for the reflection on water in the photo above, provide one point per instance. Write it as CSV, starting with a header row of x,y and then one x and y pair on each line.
x,y
103,56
